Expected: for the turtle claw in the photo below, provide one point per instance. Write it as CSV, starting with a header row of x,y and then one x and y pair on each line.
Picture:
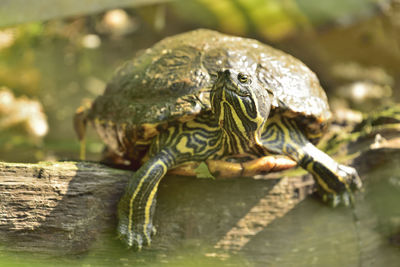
x,y
346,199
350,177
348,182
135,236
135,239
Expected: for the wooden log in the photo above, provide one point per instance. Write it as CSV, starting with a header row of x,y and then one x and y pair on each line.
x,y
63,207
70,207
57,207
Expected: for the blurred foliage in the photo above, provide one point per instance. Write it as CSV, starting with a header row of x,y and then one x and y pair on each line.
x,y
275,19
22,123
352,45
11,12
62,62
21,113
18,72
341,12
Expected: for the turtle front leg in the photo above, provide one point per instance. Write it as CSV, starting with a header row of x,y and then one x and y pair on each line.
x,y
335,181
193,141
137,205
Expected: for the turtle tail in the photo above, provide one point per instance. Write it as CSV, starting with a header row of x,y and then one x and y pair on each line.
x,y
80,124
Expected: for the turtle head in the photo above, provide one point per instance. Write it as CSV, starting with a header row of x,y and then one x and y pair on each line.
x,y
240,104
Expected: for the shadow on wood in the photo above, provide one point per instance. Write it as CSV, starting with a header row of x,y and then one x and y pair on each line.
x,y
58,207
62,207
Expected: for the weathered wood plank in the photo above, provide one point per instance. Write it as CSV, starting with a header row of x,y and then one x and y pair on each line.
x,y
59,206
69,207
62,207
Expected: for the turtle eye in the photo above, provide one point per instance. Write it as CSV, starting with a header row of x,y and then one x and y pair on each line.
x,y
242,78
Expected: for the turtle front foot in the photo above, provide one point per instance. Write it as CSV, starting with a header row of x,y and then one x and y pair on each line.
x,y
341,192
350,175
134,229
138,237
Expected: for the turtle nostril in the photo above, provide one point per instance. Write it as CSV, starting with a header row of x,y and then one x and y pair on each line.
x,y
223,73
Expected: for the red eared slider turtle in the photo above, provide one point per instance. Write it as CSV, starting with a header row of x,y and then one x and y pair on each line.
x,y
203,96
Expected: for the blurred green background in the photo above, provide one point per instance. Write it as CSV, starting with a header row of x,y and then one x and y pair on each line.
x,y
55,55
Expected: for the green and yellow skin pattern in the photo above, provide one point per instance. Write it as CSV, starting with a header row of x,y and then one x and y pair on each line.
x,y
239,123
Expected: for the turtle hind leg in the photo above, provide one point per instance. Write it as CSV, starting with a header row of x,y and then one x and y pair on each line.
x,y
335,182
80,125
226,169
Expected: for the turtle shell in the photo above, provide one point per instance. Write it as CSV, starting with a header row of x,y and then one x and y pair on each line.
x,y
171,81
